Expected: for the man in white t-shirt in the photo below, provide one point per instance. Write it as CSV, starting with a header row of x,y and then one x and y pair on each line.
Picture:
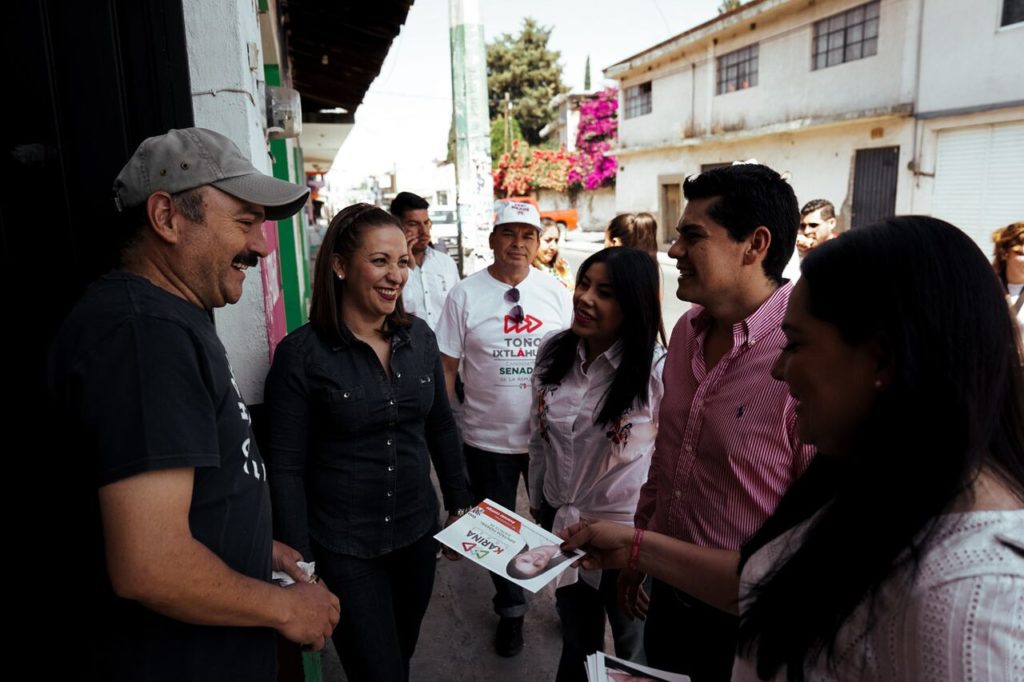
x,y
493,322
433,273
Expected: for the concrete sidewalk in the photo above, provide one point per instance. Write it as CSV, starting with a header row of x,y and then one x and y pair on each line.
x,y
456,639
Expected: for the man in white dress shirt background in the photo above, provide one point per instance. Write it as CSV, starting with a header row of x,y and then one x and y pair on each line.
x,y
432,273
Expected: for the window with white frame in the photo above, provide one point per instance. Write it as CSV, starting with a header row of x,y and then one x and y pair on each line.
x,y
638,100
1013,12
846,36
737,70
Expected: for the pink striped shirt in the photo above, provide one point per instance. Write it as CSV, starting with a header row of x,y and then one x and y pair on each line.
x,y
727,448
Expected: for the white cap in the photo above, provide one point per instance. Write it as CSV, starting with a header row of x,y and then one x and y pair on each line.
x,y
517,213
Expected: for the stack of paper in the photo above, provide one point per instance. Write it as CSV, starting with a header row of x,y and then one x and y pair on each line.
x,y
603,668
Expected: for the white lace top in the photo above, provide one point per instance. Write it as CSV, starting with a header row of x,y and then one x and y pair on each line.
x,y
961,619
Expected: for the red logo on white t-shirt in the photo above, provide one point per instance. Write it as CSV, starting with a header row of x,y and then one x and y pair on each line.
x,y
529,325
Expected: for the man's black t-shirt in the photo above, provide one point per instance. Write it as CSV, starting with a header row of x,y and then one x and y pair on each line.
x,y
142,383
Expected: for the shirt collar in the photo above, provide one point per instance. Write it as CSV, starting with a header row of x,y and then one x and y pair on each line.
x,y
613,356
399,338
760,323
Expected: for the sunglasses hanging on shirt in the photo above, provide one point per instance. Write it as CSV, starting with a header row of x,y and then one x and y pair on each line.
x,y
516,314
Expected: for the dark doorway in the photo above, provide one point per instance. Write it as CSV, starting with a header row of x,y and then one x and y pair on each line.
x,y
671,209
87,81
874,185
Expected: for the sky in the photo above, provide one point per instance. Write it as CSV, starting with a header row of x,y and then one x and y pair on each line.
x,y
404,119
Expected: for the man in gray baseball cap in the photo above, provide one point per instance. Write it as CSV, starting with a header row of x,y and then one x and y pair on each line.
x,y
142,384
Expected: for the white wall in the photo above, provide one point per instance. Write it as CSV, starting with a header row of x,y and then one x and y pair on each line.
x,y
595,208
226,97
820,161
669,89
967,58
683,99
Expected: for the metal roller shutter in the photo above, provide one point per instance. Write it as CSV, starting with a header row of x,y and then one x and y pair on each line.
x,y
979,179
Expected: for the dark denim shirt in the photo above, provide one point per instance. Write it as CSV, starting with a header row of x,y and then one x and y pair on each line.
x,y
348,447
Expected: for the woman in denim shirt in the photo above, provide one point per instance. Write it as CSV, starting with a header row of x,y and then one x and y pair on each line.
x,y
357,400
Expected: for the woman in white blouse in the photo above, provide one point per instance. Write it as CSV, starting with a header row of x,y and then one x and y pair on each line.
x,y
899,554
597,388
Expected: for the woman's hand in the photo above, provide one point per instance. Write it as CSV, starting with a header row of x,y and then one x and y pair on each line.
x,y
606,544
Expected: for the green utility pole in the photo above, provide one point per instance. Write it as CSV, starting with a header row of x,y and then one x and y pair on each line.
x,y
472,126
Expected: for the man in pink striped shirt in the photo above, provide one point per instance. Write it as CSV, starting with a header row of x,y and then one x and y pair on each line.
x,y
726,449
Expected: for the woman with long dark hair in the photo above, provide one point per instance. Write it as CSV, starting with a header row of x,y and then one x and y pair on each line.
x,y
899,555
597,389
358,409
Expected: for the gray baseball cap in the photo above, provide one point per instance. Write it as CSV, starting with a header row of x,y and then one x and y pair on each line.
x,y
187,158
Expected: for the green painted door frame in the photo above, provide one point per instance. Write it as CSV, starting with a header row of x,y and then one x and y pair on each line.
x,y
291,232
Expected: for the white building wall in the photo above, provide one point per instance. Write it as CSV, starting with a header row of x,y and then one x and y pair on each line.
x,y
665,122
967,58
788,89
820,162
595,208
684,103
226,70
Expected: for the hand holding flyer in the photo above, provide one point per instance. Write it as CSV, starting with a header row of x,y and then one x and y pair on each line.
x,y
507,544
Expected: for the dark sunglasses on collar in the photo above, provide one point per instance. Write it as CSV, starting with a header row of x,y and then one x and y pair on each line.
x,y
516,314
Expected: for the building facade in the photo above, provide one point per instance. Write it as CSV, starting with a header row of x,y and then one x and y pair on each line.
x,y
883,107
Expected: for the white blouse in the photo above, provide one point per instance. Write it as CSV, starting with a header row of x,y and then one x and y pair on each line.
x,y
583,469
961,618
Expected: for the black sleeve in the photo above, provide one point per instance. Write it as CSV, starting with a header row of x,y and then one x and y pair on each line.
x,y
443,437
145,399
288,409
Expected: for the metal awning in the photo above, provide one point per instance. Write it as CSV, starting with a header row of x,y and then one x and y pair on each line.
x,y
337,47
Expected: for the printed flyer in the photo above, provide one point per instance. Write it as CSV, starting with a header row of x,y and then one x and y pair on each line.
x,y
604,668
507,544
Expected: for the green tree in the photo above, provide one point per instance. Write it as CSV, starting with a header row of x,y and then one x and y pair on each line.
x,y
498,137
586,75
729,5
524,67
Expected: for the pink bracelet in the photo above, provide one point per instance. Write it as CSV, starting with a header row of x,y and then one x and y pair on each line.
x,y
634,550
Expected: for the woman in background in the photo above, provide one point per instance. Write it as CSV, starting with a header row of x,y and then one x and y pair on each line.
x,y
548,260
1008,261
597,389
635,230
